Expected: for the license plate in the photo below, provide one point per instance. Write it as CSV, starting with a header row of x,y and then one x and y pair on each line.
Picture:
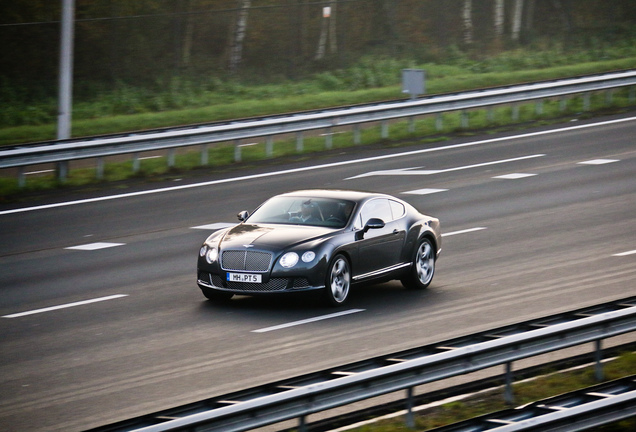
x,y
244,277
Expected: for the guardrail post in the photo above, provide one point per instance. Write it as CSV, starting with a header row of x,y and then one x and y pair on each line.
x,y
21,177
509,396
384,129
632,94
439,122
609,96
204,154
302,424
100,168
410,418
237,150
563,103
299,142
586,101
62,171
171,153
269,146
538,108
491,115
328,139
598,357
411,124
135,163
464,120
356,134
515,112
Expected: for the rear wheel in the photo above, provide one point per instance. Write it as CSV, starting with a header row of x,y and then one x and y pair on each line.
x,y
423,268
338,281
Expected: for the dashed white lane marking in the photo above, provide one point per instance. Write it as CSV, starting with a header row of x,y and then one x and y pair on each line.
x,y
469,230
307,321
622,254
514,176
214,226
424,191
64,306
598,162
94,246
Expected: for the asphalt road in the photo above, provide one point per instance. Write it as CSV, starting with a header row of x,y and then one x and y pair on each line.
x,y
535,223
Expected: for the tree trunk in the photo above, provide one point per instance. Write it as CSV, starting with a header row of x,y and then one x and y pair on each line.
x,y
467,18
499,19
236,49
517,16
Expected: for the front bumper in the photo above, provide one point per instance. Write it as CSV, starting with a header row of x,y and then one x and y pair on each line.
x,y
213,281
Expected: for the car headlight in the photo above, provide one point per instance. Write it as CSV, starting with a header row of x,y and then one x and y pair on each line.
x,y
308,256
289,259
203,250
212,255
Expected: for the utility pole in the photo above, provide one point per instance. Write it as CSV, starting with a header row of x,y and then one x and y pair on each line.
x,y
65,97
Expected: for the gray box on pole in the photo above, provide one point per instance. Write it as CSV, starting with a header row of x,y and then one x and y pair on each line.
x,y
413,82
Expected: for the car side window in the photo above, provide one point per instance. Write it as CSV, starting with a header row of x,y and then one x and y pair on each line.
x,y
397,209
377,208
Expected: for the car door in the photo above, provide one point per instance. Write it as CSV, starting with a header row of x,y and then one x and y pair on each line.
x,y
380,248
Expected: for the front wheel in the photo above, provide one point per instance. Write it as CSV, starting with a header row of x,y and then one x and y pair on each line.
x,y
338,281
423,268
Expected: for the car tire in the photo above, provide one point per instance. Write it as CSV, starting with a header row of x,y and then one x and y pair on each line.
x,y
338,281
216,296
423,269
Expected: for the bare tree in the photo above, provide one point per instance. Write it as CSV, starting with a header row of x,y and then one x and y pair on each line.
x,y
236,48
467,18
499,18
517,16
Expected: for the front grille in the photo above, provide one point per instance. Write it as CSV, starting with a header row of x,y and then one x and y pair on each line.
x,y
246,260
274,284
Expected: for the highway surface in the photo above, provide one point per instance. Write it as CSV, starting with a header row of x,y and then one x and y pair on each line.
x,y
101,318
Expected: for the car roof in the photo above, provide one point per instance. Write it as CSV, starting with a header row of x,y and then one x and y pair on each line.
x,y
337,194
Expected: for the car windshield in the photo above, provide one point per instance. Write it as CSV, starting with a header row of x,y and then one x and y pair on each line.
x,y
327,212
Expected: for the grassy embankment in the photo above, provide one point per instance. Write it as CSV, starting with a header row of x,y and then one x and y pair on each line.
x,y
368,82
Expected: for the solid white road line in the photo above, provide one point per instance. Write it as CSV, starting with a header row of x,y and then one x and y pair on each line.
x,y
317,167
64,306
469,230
307,321
622,254
424,191
94,246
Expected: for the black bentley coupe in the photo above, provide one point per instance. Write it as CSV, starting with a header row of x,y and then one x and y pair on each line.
x,y
320,240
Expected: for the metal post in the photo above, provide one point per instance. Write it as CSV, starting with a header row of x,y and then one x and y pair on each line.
x,y
439,122
563,103
356,134
269,146
100,168
491,115
609,97
515,112
237,150
302,424
66,71
632,94
464,120
411,124
509,396
538,108
204,155
384,129
171,157
135,163
21,177
586,101
410,418
299,142
328,139
598,357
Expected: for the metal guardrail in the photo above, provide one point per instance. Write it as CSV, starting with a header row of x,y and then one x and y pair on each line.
x,y
64,151
301,396
576,411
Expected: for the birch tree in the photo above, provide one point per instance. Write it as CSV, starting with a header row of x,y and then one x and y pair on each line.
x,y
467,18
499,19
517,15
236,48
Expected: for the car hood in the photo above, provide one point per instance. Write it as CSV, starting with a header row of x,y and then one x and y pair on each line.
x,y
270,236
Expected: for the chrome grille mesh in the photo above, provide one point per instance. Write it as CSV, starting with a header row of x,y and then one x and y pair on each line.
x,y
246,260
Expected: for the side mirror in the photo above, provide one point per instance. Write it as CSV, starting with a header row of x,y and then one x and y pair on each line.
x,y
374,223
242,216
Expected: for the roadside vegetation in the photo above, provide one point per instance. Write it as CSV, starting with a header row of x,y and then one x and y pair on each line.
x,y
551,384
